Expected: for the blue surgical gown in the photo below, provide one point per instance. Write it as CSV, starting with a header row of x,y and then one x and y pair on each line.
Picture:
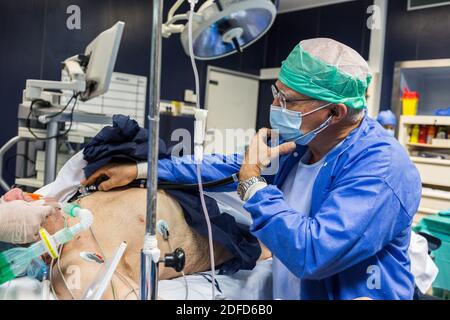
x,y
354,241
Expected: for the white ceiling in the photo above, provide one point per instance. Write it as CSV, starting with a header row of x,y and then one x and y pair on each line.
x,y
293,5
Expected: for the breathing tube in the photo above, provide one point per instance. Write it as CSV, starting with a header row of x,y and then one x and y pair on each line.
x,y
14,262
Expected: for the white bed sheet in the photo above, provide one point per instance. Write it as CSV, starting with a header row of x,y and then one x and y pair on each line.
x,y
23,288
244,285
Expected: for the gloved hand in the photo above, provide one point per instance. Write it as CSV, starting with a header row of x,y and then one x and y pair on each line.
x,y
20,221
118,174
16,194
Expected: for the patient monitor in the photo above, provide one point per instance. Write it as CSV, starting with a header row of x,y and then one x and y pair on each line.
x,y
89,73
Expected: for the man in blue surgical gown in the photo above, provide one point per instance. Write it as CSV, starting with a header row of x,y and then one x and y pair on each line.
x,y
337,212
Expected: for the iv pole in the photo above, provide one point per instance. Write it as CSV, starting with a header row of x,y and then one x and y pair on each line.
x,y
150,252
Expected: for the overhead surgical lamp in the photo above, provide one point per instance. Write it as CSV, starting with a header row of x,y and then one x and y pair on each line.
x,y
218,28
222,27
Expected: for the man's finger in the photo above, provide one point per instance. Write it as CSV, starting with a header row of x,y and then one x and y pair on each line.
x,y
287,147
97,174
271,134
107,185
282,149
264,133
274,134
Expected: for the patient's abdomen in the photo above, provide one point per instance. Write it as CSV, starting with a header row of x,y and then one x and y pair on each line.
x,y
120,216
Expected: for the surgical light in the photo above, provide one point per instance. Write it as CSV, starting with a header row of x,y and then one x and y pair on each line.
x,y
223,27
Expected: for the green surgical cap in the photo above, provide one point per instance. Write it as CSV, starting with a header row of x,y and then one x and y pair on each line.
x,y
327,70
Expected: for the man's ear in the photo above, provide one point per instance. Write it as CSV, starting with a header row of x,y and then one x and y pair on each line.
x,y
339,112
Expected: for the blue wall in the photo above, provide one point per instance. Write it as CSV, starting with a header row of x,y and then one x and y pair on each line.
x,y
344,22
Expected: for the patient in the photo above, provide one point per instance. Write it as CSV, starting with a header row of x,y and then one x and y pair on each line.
x,y
120,216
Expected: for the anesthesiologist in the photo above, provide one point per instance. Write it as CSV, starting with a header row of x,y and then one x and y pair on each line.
x,y
21,217
337,213
388,120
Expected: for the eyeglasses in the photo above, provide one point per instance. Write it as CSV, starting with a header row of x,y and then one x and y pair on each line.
x,y
282,98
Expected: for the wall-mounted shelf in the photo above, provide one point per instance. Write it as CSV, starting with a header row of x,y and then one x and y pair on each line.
x,y
425,145
441,162
433,171
426,120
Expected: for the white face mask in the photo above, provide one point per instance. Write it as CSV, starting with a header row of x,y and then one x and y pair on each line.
x,y
391,132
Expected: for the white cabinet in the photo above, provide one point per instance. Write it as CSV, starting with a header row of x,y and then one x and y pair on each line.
x,y
431,79
434,172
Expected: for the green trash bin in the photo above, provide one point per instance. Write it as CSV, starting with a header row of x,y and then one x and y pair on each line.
x,y
439,226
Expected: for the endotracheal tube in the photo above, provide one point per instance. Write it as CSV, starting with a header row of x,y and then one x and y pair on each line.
x,y
14,262
198,149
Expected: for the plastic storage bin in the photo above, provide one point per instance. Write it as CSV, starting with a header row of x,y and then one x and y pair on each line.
x,y
439,226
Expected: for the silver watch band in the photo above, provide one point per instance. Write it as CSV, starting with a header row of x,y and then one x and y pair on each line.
x,y
243,186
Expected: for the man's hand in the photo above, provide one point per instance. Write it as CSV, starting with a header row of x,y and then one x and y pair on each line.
x,y
118,175
259,154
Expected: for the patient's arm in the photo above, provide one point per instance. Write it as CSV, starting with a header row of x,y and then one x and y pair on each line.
x,y
120,216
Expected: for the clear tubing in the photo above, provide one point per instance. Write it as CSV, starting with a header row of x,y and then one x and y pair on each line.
x,y
15,261
63,236
199,175
174,9
86,217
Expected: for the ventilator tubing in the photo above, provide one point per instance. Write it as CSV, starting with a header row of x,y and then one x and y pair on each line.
x,y
14,262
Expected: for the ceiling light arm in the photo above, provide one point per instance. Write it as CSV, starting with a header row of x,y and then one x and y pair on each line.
x,y
206,5
174,9
170,27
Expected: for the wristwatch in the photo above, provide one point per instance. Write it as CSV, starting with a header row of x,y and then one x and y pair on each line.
x,y
243,186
